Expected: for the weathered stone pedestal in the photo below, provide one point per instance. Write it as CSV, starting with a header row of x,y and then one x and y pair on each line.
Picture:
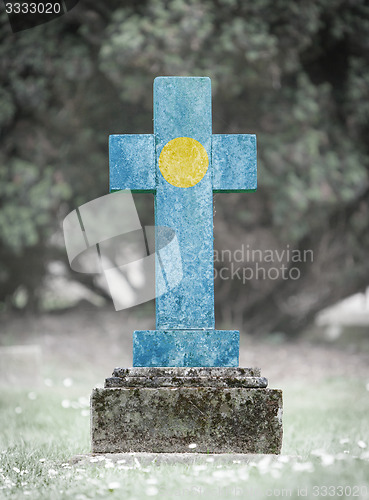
x,y
165,404
221,410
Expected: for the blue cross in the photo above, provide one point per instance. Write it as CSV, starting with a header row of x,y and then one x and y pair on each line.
x,y
185,332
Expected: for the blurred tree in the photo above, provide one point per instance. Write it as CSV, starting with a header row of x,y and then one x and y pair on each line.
x,y
296,74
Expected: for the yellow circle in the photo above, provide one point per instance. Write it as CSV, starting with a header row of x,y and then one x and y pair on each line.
x,y
183,162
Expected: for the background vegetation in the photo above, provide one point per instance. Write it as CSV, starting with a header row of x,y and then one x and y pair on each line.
x,y
294,73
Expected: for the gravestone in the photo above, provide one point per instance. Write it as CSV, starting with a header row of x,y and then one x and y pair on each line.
x,y
185,386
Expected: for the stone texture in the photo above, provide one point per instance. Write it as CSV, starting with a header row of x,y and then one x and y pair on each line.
x,y
198,371
251,382
217,420
182,109
137,151
234,163
190,377
161,411
215,408
186,348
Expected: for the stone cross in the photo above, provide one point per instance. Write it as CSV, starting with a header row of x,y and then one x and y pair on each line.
x,y
183,164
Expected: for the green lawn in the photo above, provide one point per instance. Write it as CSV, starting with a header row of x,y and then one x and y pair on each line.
x,y
325,451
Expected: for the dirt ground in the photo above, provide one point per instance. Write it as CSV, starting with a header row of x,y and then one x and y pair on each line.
x,y
86,343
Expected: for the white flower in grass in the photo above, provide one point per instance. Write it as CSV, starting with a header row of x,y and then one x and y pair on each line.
x,y
123,461
152,491
318,453
109,465
344,440
340,456
18,410
85,413
200,467
114,485
48,382
228,474
15,469
243,474
124,467
152,480
277,465
83,401
67,382
32,396
275,473
361,444
26,492
218,473
42,460
327,460
303,467
52,472
65,403
210,459
94,459
192,446
264,464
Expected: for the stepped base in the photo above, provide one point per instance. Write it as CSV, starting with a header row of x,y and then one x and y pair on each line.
x,y
163,410
186,348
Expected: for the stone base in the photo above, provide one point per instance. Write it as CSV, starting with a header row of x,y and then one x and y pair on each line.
x,y
163,410
186,348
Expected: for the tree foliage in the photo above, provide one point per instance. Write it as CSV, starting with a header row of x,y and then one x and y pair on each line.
x,y
294,73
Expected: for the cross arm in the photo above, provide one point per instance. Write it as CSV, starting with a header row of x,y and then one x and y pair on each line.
x,y
132,162
234,163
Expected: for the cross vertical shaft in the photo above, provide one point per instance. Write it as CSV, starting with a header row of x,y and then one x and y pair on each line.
x,y
182,108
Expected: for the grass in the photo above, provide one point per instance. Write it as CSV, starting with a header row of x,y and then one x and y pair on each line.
x,y
325,451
